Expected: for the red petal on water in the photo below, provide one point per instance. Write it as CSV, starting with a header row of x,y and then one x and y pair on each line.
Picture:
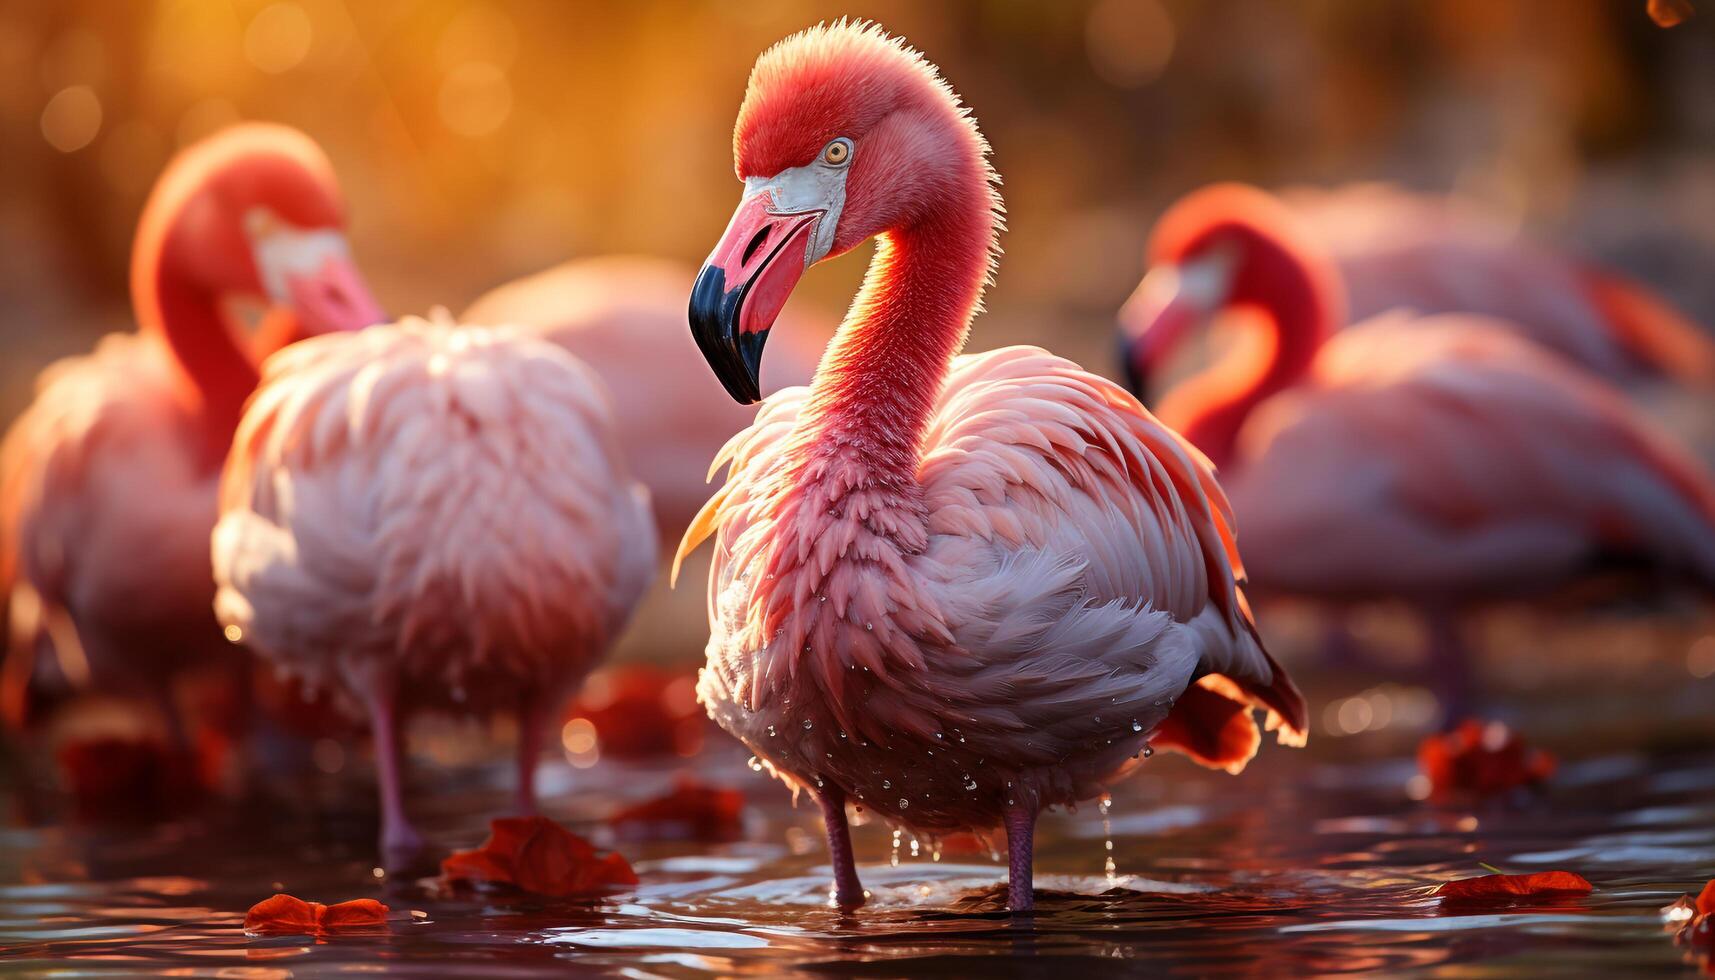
x,y
1706,899
640,711
692,811
1502,888
1670,13
1480,759
537,855
294,916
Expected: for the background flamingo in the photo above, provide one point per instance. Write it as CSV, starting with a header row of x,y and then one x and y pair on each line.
x,y
425,515
624,316
1393,249
1444,459
107,481
957,590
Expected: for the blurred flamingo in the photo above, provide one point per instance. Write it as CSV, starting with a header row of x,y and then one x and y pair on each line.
x,y
956,589
108,480
624,316
1446,459
430,516
1392,249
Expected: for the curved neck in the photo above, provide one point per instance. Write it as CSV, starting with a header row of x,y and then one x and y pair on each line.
x,y
879,379
1287,311
216,374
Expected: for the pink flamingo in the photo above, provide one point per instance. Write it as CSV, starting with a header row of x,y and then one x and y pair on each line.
x,y
430,516
108,480
1445,459
624,316
956,590
1392,249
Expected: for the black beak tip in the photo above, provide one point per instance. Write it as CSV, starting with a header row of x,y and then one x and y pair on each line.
x,y
1134,379
734,355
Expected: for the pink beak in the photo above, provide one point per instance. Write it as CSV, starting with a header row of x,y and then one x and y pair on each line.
x,y
1153,322
334,298
743,287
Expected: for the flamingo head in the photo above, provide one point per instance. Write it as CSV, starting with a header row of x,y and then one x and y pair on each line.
x,y
844,133
1221,247
254,214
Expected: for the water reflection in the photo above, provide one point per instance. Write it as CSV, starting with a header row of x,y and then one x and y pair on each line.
x,y
1302,866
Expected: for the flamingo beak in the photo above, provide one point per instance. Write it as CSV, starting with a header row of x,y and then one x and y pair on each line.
x,y
333,297
312,273
1168,305
745,283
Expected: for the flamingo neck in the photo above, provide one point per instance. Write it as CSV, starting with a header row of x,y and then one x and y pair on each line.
x,y
1284,307
879,379
216,375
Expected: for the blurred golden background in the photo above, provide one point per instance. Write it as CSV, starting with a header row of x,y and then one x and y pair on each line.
x,y
479,141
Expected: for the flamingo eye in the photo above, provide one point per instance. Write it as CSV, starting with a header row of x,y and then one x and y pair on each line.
x,y
837,152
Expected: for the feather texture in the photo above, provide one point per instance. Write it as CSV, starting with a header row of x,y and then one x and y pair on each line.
x,y
1071,574
445,506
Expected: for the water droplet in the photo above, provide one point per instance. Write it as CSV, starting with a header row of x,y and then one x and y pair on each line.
x,y
821,598
755,764
938,735
1098,719
970,784
842,736
904,804
770,731
1148,750
869,626
818,782
887,784
1135,726
915,848
1105,805
808,724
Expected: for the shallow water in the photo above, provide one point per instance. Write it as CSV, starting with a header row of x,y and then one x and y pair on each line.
x,y
1310,863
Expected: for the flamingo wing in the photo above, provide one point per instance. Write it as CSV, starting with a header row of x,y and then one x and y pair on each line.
x,y
1446,455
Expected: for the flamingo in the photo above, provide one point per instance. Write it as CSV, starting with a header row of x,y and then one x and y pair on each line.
x,y
953,589
108,479
1445,459
1393,249
624,316
424,515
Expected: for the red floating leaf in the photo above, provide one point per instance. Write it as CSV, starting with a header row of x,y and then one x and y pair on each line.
x,y
537,855
294,916
692,811
1693,922
1505,888
1480,759
1670,13
639,711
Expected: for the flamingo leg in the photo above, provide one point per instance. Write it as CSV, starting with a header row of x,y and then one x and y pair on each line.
x,y
530,723
1450,667
400,841
1020,850
848,890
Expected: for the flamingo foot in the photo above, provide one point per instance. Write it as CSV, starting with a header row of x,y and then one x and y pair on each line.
x,y
1020,850
848,890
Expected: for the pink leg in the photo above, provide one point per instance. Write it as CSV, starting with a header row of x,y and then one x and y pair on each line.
x,y
848,890
530,723
1449,666
1020,849
400,842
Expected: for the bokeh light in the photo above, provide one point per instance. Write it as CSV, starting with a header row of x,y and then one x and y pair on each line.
x,y
72,118
278,38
